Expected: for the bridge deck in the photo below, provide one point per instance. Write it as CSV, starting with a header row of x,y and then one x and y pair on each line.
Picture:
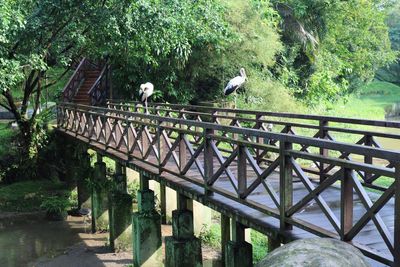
x,y
242,187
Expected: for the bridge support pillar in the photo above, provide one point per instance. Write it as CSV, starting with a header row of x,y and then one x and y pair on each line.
x,y
182,248
238,253
82,174
147,249
120,214
99,196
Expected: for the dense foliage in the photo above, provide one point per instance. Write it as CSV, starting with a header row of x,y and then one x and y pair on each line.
x,y
337,46
392,72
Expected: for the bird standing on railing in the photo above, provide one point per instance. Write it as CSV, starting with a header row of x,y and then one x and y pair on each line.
x,y
146,90
235,84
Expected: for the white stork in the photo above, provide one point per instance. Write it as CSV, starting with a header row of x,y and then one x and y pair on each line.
x,y
146,90
235,84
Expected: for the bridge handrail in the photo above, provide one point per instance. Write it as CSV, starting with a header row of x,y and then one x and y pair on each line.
x,y
175,148
323,124
378,123
390,155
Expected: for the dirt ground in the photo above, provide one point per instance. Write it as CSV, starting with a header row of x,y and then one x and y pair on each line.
x,y
92,251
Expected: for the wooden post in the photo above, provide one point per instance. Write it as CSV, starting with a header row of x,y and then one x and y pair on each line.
x,y
286,184
225,234
323,151
260,140
368,159
163,201
346,209
208,159
144,182
241,171
182,153
238,230
396,254
145,143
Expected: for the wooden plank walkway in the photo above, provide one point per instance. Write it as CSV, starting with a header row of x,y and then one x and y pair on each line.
x,y
226,175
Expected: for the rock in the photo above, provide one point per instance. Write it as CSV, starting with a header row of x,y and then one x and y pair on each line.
x,y
315,252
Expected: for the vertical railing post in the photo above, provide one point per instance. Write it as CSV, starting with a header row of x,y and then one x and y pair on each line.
x,y
260,140
145,143
241,170
368,159
346,208
323,151
208,159
396,254
286,183
182,153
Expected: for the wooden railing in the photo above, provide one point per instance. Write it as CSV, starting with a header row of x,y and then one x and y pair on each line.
x,y
359,131
226,160
74,82
99,91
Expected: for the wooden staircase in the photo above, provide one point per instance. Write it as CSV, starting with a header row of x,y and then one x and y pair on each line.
x,y
88,85
82,96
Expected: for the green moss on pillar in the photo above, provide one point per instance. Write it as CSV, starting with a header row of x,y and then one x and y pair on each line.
x,y
100,216
183,248
82,173
120,221
183,252
147,232
238,254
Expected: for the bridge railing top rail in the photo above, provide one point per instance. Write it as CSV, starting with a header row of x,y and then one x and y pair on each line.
x,y
376,152
196,108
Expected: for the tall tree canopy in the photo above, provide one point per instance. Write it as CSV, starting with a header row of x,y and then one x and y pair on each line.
x,y
336,46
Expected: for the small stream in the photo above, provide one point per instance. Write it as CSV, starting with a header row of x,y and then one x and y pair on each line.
x,y
24,241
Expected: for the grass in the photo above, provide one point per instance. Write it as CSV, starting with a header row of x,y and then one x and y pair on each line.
x,y
370,103
28,195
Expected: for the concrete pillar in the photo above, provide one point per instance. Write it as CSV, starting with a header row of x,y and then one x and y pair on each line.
x,y
82,175
182,248
120,215
147,249
99,196
238,253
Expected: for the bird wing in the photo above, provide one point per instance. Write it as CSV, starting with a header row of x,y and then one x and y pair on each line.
x,y
141,93
233,84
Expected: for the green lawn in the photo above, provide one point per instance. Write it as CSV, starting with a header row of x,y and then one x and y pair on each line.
x,y
370,103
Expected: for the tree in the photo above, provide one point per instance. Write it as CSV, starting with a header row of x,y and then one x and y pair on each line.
x,y
160,41
391,73
35,36
350,42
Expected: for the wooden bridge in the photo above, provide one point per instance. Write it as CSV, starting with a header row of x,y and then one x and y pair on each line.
x,y
294,182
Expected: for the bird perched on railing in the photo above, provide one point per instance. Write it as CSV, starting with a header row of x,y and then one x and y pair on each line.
x,y
235,84
146,90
